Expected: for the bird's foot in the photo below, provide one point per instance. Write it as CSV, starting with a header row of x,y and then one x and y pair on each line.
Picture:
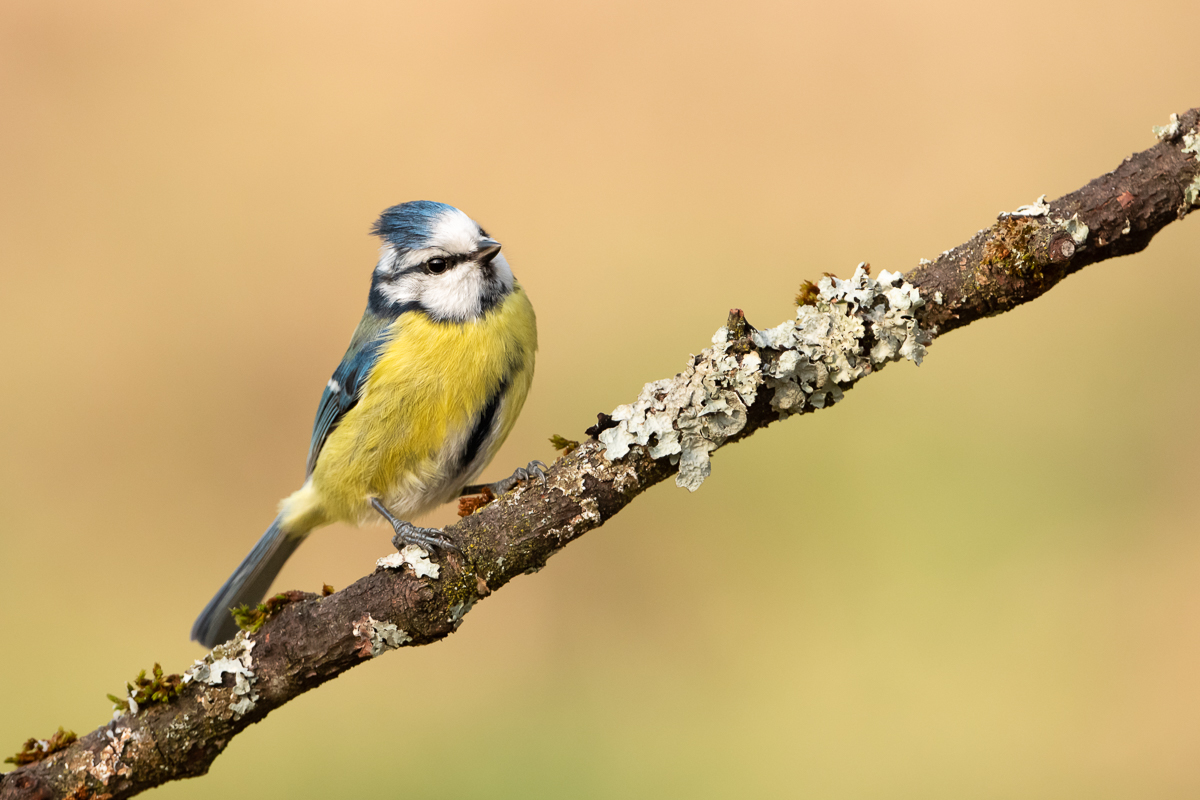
x,y
432,539
534,469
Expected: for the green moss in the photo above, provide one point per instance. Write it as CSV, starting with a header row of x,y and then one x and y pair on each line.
x,y
808,295
464,593
563,444
252,619
35,750
1009,247
810,292
157,688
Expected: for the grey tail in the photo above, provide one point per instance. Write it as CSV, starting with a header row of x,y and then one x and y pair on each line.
x,y
247,585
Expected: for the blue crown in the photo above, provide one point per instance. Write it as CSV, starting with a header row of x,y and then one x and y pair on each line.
x,y
409,225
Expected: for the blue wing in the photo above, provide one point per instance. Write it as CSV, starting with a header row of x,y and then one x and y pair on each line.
x,y
342,392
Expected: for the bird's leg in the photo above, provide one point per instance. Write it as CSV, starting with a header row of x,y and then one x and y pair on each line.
x,y
406,533
532,469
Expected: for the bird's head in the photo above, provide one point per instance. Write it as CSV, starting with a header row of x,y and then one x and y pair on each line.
x,y
437,260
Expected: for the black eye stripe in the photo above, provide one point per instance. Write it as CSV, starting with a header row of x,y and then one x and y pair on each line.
x,y
451,262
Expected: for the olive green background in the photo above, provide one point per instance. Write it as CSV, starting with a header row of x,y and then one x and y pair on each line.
x,y
973,579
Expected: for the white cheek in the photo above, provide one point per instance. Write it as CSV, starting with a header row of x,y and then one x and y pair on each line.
x,y
455,294
503,272
402,290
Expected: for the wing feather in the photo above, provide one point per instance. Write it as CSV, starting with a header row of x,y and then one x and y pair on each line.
x,y
343,390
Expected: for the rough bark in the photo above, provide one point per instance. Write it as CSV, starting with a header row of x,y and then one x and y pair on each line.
x,y
314,639
1146,193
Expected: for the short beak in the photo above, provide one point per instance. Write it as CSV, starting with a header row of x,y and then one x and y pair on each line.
x,y
488,249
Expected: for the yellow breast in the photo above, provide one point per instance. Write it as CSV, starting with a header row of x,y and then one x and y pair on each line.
x,y
424,395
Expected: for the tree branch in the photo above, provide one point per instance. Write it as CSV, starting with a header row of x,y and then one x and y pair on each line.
x,y
845,331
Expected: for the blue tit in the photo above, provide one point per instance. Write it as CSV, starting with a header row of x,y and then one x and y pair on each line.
x,y
431,385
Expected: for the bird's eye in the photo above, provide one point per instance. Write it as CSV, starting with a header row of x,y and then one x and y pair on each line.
x,y
436,266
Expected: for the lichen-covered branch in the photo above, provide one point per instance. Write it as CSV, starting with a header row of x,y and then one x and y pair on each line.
x,y
843,331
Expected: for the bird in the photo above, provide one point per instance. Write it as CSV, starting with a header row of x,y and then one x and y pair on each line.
x,y
431,384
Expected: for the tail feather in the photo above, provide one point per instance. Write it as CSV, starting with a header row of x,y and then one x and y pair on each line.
x,y
247,585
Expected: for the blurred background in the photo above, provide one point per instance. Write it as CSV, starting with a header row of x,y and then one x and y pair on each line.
x,y
976,578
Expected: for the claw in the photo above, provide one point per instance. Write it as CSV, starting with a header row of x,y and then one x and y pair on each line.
x,y
532,469
538,469
431,539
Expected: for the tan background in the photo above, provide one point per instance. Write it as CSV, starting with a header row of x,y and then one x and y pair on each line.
x,y
973,579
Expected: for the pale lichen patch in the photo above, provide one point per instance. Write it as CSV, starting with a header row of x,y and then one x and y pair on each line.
x,y
414,556
1038,208
590,513
1191,144
625,478
460,610
1191,194
378,637
107,763
806,361
233,658
1168,131
571,474
822,349
687,417
1076,229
